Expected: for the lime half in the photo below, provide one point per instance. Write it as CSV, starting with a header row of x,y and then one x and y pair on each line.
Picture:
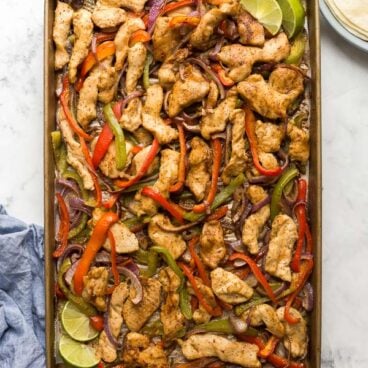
x,y
267,12
77,354
293,15
76,324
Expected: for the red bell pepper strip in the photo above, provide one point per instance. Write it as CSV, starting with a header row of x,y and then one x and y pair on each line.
x,y
217,156
184,19
269,348
216,311
257,273
303,277
226,81
64,101
114,268
111,201
94,244
136,149
103,142
198,262
170,207
97,322
139,36
179,4
250,125
183,150
63,227
143,169
218,214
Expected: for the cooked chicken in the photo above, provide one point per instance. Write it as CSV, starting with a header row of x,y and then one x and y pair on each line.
x,y
210,345
250,30
140,353
62,24
131,118
83,30
95,287
254,224
105,16
283,236
229,288
296,336
75,155
216,121
272,99
136,315
135,6
140,158
269,136
171,317
171,241
198,176
213,95
108,81
105,349
299,143
136,61
193,88
264,314
267,160
238,158
122,39
212,244
240,59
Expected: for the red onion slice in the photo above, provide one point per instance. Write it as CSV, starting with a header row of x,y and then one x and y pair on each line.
x,y
238,324
155,8
135,282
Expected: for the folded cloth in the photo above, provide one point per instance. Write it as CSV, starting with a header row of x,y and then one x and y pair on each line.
x,y
22,306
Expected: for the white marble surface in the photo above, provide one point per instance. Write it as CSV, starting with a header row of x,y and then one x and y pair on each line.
x,y
345,163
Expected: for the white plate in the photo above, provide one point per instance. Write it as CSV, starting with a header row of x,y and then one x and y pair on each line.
x,y
340,29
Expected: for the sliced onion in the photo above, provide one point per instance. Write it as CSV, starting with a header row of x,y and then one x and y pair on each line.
x,y
104,257
78,204
178,229
130,97
132,266
198,363
166,100
70,184
221,135
155,8
213,53
263,179
256,207
239,325
192,128
72,248
68,276
239,263
308,297
135,282
237,246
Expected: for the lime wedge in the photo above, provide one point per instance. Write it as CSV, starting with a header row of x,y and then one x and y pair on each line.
x,y
267,12
77,354
293,15
76,323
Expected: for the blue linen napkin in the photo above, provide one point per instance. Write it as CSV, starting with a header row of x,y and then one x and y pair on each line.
x,y
22,306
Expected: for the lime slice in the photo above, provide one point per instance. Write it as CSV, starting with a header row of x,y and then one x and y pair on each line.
x,y
76,324
293,15
77,354
267,12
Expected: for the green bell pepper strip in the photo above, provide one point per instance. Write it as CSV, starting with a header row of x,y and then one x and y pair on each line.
x,y
184,302
153,328
146,81
286,177
152,264
77,230
224,326
120,145
60,152
241,308
79,302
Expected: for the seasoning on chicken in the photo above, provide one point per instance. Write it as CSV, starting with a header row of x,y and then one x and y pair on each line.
x,y
105,349
254,224
83,30
229,288
136,315
283,236
95,287
198,176
296,335
105,16
269,136
136,61
152,120
212,245
238,158
210,345
265,314
193,88
139,159
273,98
213,96
299,143
108,81
131,118
62,24
251,32
135,6
171,317
171,241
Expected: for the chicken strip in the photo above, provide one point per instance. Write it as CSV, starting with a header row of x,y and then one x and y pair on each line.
x,y
213,96
173,242
296,335
152,120
210,345
230,288
108,81
62,24
193,88
250,30
212,245
240,59
171,317
105,16
269,136
272,99
83,30
216,121
254,224
122,40
140,158
283,236
131,118
136,315
238,158
199,160
136,61
135,6
299,143
95,287
105,349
